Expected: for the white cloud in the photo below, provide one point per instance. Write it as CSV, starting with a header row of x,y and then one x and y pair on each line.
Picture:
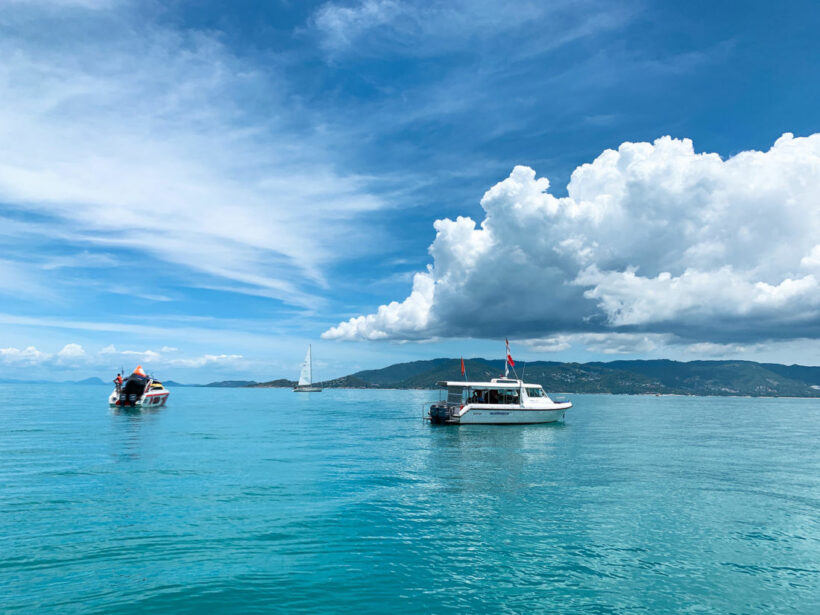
x,y
71,354
341,25
410,318
812,259
207,359
629,299
25,356
140,356
605,343
84,259
141,139
410,27
651,235
555,343
21,279
157,359
720,350
85,4
110,358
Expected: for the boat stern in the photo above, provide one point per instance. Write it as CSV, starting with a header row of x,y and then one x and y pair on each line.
x,y
440,414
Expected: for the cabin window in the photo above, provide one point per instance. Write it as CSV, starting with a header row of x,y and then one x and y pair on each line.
x,y
479,396
536,392
508,396
456,396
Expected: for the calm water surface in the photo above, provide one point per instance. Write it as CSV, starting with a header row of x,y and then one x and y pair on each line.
x,y
345,501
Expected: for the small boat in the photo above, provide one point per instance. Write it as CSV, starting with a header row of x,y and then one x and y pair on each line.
x,y
305,384
139,390
501,401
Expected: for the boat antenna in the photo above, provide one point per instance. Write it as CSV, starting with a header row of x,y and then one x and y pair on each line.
x,y
523,369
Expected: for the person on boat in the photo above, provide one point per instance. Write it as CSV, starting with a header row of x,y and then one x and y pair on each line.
x,y
118,383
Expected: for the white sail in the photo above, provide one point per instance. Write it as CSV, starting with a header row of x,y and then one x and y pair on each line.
x,y
306,375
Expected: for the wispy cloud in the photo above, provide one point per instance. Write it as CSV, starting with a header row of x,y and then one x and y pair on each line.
x,y
22,279
412,28
604,343
143,140
82,260
342,25
73,356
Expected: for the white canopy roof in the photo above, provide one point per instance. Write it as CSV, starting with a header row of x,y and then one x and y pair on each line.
x,y
496,383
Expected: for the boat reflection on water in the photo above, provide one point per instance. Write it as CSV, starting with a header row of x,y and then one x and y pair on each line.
x,y
136,410
132,429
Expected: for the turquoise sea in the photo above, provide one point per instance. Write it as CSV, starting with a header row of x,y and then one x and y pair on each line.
x,y
243,501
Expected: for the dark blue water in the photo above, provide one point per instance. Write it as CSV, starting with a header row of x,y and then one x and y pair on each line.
x,y
345,501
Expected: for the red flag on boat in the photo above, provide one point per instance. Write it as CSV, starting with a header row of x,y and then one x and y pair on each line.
x,y
509,356
462,366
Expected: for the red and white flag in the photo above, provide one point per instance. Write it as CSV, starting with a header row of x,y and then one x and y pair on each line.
x,y
509,362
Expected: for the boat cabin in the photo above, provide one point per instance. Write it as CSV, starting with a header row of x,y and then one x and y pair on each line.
x,y
498,391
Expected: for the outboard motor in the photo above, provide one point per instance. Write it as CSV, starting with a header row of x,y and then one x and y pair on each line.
x,y
132,390
439,413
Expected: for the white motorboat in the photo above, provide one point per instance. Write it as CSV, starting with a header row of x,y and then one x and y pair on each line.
x,y
139,390
305,384
501,401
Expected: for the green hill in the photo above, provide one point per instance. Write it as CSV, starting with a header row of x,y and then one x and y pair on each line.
x,y
629,377
619,377
402,372
281,383
231,383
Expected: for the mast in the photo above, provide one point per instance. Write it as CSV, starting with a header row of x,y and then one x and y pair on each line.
x,y
310,364
506,361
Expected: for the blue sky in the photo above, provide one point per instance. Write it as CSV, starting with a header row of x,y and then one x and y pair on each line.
x,y
207,187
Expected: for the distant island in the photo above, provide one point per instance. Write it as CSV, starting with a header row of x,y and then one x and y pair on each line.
x,y
662,376
665,377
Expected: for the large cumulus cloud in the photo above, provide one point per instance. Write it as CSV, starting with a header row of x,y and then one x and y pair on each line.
x,y
651,237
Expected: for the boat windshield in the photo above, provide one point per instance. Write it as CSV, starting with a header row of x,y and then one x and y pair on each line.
x,y
535,392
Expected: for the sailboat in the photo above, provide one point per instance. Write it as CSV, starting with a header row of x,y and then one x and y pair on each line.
x,y
306,377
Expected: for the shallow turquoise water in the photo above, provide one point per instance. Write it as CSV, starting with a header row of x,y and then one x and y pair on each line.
x,y
345,501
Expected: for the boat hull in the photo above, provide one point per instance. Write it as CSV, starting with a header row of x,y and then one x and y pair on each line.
x,y
489,416
149,400
498,415
307,389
